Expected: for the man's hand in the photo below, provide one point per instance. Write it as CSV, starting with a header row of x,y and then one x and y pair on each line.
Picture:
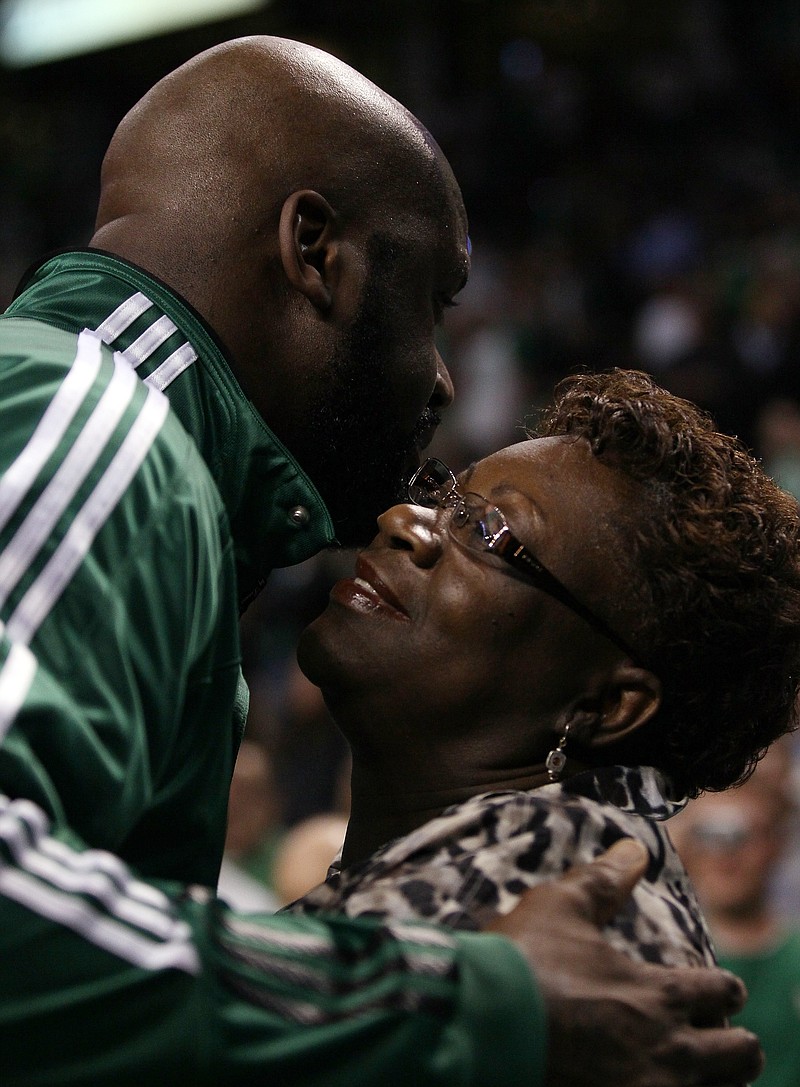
x,y
614,1021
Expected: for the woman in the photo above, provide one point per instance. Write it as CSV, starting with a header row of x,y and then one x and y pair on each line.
x,y
550,653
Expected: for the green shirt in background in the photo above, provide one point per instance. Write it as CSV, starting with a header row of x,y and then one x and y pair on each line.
x,y
773,1007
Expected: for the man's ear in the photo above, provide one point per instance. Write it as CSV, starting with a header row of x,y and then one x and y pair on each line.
x,y
309,248
629,700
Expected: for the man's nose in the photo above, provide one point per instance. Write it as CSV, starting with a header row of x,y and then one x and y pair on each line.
x,y
443,391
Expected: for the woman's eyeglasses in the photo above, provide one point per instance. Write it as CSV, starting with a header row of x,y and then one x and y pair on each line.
x,y
481,527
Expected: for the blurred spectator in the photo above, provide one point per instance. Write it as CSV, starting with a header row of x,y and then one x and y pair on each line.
x,y
778,440
306,853
254,831
310,753
489,398
732,844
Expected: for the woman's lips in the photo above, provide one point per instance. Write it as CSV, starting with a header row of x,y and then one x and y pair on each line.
x,y
368,592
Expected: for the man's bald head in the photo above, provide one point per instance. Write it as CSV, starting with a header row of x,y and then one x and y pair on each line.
x,y
318,228
213,150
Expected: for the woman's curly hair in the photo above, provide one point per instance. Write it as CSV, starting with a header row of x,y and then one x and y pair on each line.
x,y
713,555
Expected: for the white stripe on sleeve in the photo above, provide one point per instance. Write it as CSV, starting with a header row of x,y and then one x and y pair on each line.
x,y
16,677
149,341
80,894
35,605
54,500
123,316
172,367
19,476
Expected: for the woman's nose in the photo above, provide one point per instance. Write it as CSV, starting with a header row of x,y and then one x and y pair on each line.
x,y
414,529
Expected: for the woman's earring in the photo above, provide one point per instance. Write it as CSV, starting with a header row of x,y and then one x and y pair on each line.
x,y
556,760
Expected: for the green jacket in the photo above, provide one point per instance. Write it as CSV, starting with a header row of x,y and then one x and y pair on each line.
x,y
138,487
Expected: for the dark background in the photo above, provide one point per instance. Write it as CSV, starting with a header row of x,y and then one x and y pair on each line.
x,y
630,170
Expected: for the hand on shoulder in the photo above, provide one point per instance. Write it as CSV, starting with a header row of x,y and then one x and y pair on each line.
x,y
613,1020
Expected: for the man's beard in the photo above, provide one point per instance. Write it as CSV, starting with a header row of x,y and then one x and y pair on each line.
x,y
363,461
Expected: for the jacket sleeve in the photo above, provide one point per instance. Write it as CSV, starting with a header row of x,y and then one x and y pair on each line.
x,y
106,979
117,572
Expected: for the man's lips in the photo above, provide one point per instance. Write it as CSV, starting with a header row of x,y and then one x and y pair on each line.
x,y
368,591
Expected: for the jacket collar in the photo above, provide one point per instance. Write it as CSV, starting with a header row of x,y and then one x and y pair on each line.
x,y
277,517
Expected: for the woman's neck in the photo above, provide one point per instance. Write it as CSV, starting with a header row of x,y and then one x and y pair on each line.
x,y
384,806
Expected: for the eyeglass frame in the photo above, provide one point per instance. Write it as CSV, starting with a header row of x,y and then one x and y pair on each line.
x,y
508,547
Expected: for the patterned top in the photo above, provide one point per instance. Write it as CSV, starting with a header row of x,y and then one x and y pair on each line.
x,y
477,858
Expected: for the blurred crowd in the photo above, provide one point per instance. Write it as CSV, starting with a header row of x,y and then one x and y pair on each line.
x,y
632,174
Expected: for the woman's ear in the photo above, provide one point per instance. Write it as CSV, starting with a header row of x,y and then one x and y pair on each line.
x,y
629,700
309,246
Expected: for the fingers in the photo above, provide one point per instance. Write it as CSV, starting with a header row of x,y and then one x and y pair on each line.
x,y
701,996
715,1058
604,885
614,1020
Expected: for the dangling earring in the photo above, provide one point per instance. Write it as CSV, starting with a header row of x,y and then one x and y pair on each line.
x,y
556,760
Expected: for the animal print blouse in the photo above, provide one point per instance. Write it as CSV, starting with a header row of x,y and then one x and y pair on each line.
x,y
477,858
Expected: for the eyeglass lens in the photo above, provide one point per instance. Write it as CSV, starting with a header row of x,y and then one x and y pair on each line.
x,y
481,521
431,484
434,484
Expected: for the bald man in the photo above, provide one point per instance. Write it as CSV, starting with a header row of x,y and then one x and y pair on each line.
x,y
238,372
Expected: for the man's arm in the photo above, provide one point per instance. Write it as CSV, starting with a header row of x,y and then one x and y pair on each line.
x,y
105,979
109,980
613,1020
